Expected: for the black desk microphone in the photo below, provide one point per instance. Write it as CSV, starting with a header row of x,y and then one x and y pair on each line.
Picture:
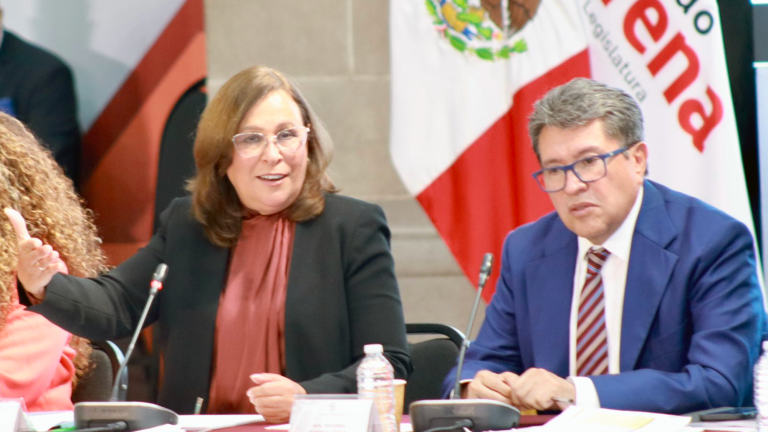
x,y
474,414
126,416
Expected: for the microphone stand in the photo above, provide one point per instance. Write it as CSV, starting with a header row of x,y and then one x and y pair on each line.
x,y
485,271
116,416
473,414
152,293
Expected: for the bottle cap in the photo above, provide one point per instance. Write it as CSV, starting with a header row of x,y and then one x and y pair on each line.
x,y
373,348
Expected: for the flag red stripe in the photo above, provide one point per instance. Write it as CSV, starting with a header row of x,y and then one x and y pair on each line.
x,y
489,190
127,216
142,82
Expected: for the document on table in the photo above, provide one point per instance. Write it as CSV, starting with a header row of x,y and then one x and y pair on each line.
x,y
44,421
205,422
581,419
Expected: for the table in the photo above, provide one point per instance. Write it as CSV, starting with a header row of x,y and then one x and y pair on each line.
x,y
525,421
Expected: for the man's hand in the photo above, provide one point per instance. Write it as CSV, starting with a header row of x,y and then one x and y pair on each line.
x,y
38,262
489,385
539,389
273,396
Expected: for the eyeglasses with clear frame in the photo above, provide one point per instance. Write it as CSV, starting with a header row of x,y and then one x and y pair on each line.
x,y
589,169
251,144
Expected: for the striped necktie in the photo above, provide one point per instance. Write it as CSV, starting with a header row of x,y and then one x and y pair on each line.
x,y
591,334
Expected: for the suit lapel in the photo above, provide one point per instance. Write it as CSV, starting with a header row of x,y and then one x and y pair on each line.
x,y
549,285
650,269
303,259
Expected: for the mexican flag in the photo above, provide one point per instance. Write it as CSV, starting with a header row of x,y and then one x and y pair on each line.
x,y
465,75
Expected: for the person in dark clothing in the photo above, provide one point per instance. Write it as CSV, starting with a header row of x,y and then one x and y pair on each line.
x,y
37,88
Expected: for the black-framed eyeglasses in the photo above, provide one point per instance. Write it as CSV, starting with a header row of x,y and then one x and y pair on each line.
x,y
250,144
588,169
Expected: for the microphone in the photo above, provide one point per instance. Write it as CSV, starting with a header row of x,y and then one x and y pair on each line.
x,y
485,272
156,285
130,415
474,414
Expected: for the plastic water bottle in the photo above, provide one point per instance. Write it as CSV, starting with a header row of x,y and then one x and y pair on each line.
x,y
376,379
761,389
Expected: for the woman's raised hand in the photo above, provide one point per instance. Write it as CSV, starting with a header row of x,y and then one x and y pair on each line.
x,y
38,262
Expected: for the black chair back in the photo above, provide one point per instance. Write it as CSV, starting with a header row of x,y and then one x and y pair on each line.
x,y
96,385
176,163
432,360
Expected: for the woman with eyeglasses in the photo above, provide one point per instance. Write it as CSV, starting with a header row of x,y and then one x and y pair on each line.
x,y
275,283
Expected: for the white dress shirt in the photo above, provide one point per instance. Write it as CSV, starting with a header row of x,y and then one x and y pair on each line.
x,y
614,274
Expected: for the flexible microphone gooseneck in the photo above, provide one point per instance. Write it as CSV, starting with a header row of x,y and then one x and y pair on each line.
x,y
455,414
156,285
135,415
485,273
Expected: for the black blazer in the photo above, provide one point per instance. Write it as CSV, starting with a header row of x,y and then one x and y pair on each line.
x,y
41,93
342,294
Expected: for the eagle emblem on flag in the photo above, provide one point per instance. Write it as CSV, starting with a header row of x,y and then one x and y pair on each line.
x,y
485,28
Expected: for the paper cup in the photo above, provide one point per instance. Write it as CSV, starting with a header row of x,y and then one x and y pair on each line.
x,y
399,398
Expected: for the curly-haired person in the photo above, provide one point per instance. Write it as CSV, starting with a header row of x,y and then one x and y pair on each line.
x,y
39,361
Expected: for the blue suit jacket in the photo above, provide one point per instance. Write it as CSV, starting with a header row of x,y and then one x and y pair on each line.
x,y
693,313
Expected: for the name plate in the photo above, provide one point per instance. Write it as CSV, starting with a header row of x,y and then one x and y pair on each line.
x,y
13,415
334,413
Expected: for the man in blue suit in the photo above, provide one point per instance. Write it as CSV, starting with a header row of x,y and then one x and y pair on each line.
x,y
631,295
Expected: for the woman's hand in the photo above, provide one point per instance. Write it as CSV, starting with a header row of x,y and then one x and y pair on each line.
x,y
37,262
273,396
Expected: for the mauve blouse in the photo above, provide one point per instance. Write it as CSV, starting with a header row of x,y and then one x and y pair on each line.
x,y
250,323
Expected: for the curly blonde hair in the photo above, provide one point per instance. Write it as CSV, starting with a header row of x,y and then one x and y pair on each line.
x,y
33,184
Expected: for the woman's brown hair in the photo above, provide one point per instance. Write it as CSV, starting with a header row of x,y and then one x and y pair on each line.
x,y
215,203
33,184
